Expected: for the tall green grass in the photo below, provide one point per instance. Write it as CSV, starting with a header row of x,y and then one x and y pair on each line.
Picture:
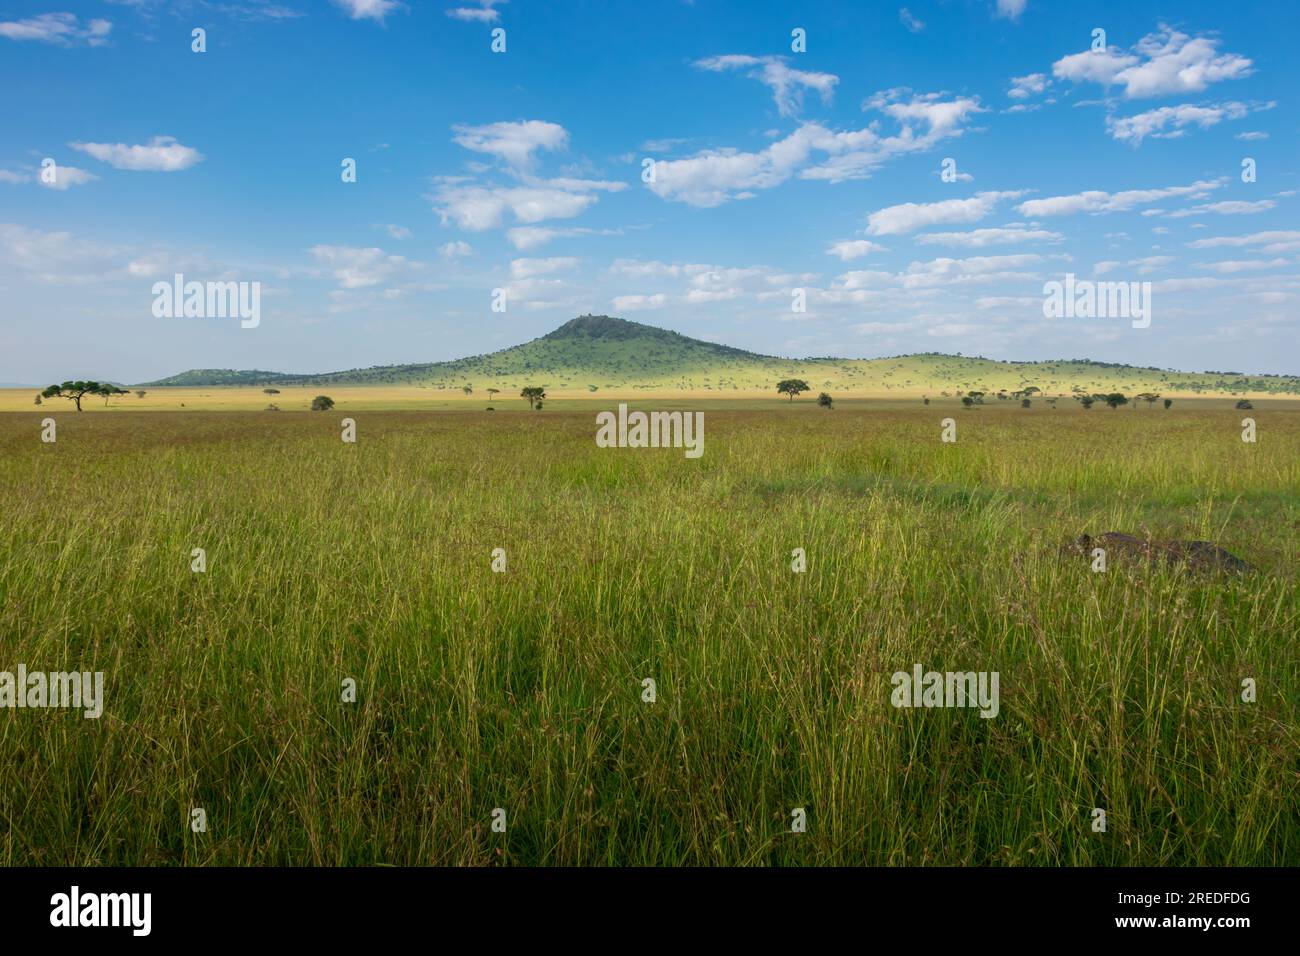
x,y
523,690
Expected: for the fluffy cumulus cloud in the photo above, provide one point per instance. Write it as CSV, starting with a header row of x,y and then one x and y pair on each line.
x,y
475,205
515,143
850,249
786,83
1010,9
61,29
910,216
161,154
813,151
1162,63
1023,87
638,303
529,268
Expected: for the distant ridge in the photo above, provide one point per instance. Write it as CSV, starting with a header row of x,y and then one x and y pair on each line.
x,y
602,352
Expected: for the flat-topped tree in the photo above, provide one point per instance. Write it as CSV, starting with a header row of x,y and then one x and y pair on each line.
x,y
76,391
792,387
534,394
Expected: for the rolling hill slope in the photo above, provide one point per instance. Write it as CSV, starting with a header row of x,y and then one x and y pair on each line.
x,y
595,352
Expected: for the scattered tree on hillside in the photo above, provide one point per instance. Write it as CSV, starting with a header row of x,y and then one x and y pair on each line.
x,y
322,403
491,392
1116,399
1149,397
468,390
76,391
825,401
534,394
791,387
1087,401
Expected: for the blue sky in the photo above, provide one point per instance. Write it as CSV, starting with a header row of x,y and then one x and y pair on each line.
x,y
775,170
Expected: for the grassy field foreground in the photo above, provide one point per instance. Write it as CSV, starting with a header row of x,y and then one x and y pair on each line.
x,y
523,690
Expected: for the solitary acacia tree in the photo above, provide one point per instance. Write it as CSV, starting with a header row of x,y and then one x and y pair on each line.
x,y
534,394
792,387
76,391
108,391
270,391
491,392
468,390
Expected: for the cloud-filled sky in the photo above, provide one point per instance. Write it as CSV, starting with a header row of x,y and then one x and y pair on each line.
x,y
775,169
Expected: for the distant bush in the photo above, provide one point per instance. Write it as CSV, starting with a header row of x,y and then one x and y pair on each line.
x,y
1244,405
1025,403
1168,402
825,401
322,403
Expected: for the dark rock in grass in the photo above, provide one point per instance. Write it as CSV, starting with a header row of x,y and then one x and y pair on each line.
x,y
1198,555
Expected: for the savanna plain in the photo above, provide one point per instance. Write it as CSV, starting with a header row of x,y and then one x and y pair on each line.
x,y
523,689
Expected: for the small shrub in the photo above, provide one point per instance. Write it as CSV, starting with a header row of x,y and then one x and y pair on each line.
x,y
322,403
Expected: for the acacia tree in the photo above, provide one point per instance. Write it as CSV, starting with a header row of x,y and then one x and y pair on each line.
x,y
534,394
792,387
76,391
1116,399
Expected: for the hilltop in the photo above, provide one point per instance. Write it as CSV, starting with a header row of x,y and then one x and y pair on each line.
x,y
600,352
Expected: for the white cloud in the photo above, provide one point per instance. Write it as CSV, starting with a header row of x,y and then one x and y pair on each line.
x,y
162,154
527,238
1272,241
1231,267
909,21
513,142
1162,63
1252,135
849,249
1171,122
356,268
529,268
786,83
62,29
454,250
1097,201
396,231
477,208
483,13
368,9
713,177
1023,87
66,176
980,238
1150,264
1233,207
636,303
1010,9
908,217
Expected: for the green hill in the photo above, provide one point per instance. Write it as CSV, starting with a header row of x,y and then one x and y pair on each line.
x,y
601,352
